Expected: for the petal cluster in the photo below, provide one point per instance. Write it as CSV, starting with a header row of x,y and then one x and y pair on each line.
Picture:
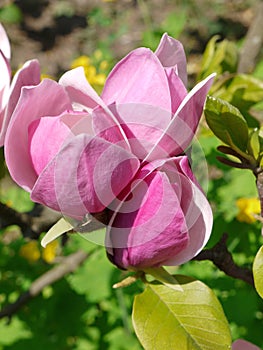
x,y
121,154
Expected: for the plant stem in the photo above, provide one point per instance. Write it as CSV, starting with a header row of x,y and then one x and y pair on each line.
x,y
222,258
259,183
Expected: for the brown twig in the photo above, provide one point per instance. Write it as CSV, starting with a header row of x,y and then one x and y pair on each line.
x,y
259,183
223,259
9,216
33,223
68,264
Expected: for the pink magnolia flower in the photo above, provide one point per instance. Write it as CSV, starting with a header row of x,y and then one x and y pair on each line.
x,y
121,154
29,74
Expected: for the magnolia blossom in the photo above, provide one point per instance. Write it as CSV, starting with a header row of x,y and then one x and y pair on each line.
x,y
29,74
119,156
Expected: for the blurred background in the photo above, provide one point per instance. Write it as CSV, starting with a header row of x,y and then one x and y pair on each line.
x,y
57,32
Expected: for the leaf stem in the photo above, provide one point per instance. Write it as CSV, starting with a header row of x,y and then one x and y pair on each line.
x,y
163,276
246,156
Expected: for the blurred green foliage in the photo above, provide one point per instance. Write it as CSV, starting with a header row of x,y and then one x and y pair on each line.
x,y
10,14
81,311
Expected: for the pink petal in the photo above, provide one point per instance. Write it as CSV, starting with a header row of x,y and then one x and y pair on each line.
x,y
241,344
177,89
29,74
180,132
47,135
4,43
149,227
79,89
106,124
138,77
78,122
197,211
85,176
181,164
171,54
45,99
84,97
142,124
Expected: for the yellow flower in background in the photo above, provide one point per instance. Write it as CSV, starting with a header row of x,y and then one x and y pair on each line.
x,y
95,78
30,251
46,76
81,61
50,251
247,208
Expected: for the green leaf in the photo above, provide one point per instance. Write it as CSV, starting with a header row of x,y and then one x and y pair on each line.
x,y
226,122
163,276
244,92
93,278
254,143
208,55
115,340
219,57
258,272
16,198
167,319
253,87
16,330
226,55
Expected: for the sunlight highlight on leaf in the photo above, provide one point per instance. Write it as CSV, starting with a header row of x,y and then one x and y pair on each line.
x,y
167,319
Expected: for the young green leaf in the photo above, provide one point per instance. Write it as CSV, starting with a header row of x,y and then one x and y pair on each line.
x,y
253,88
219,57
208,55
165,318
226,122
258,271
254,144
244,92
